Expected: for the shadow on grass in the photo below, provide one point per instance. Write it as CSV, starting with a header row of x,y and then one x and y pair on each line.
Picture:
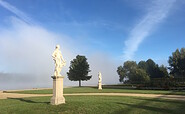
x,y
176,92
28,101
160,100
132,107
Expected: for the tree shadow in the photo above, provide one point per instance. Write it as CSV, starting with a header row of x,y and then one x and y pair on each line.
x,y
161,100
145,105
28,101
176,92
132,107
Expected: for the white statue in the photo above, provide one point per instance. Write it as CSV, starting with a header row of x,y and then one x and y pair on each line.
x,y
59,61
99,81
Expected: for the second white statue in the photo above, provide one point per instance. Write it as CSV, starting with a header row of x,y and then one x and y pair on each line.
x,y
99,81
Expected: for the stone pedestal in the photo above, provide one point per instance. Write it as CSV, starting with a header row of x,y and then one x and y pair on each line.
x,y
58,97
99,86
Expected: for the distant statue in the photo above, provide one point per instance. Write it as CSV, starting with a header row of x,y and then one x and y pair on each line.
x,y
99,81
99,76
59,61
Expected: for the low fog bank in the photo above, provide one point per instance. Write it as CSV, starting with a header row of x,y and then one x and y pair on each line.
x,y
26,61
20,81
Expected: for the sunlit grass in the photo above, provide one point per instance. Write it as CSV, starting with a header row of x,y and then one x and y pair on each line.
x,y
104,90
92,105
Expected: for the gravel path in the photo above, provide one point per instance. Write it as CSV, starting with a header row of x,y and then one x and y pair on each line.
x,y
17,95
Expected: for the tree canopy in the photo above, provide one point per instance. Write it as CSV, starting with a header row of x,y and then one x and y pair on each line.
x,y
177,63
79,69
139,76
141,72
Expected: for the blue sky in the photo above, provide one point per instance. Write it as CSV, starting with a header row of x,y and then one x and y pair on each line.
x,y
105,24
107,31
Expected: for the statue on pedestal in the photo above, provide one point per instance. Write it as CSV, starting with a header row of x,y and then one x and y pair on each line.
x,y
99,81
58,97
59,61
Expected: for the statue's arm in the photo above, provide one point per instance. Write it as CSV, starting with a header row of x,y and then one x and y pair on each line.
x,y
62,58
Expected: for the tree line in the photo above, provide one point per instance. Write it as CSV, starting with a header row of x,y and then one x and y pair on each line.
x,y
146,71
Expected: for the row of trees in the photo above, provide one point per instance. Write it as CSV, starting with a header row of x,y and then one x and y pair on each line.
x,y
142,72
131,72
145,71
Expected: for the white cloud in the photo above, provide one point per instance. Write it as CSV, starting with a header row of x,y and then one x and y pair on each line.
x,y
16,11
157,12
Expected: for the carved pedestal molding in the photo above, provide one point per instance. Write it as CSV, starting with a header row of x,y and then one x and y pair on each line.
x,y
58,97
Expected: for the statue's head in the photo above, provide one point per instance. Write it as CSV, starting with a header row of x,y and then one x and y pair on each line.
x,y
57,46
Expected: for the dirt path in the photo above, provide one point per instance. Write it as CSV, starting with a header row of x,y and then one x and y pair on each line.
x,y
17,95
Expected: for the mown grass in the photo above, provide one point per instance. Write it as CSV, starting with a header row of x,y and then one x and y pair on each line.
x,y
92,105
104,90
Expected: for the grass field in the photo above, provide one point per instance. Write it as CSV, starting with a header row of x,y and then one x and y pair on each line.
x,y
105,90
92,105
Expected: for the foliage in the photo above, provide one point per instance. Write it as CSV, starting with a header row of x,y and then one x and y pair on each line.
x,y
177,63
141,72
142,65
121,73
126,70
139,76
79,69
163,72
152,68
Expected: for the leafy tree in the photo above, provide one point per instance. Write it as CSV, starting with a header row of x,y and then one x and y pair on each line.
x,y
141,72
177,63
142,65
163,72
125,70
129,67
79,69
139,76
121,73
153,69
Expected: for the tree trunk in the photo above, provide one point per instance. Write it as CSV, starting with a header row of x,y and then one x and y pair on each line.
x,y
79,83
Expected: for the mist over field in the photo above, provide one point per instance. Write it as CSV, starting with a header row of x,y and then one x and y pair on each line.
x,y
26,58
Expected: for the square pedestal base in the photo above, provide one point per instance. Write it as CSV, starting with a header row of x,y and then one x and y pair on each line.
x,y
58,97
57,101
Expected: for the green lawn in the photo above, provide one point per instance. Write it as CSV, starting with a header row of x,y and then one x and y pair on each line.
x,y
105,90
92,105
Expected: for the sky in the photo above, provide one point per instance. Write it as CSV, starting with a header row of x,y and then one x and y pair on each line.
x,y
107,32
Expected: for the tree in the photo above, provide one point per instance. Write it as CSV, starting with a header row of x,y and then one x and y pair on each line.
x,y
139,76
163,72
141,72
79,69
121,73
177,63
142,65
153,69
125,70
